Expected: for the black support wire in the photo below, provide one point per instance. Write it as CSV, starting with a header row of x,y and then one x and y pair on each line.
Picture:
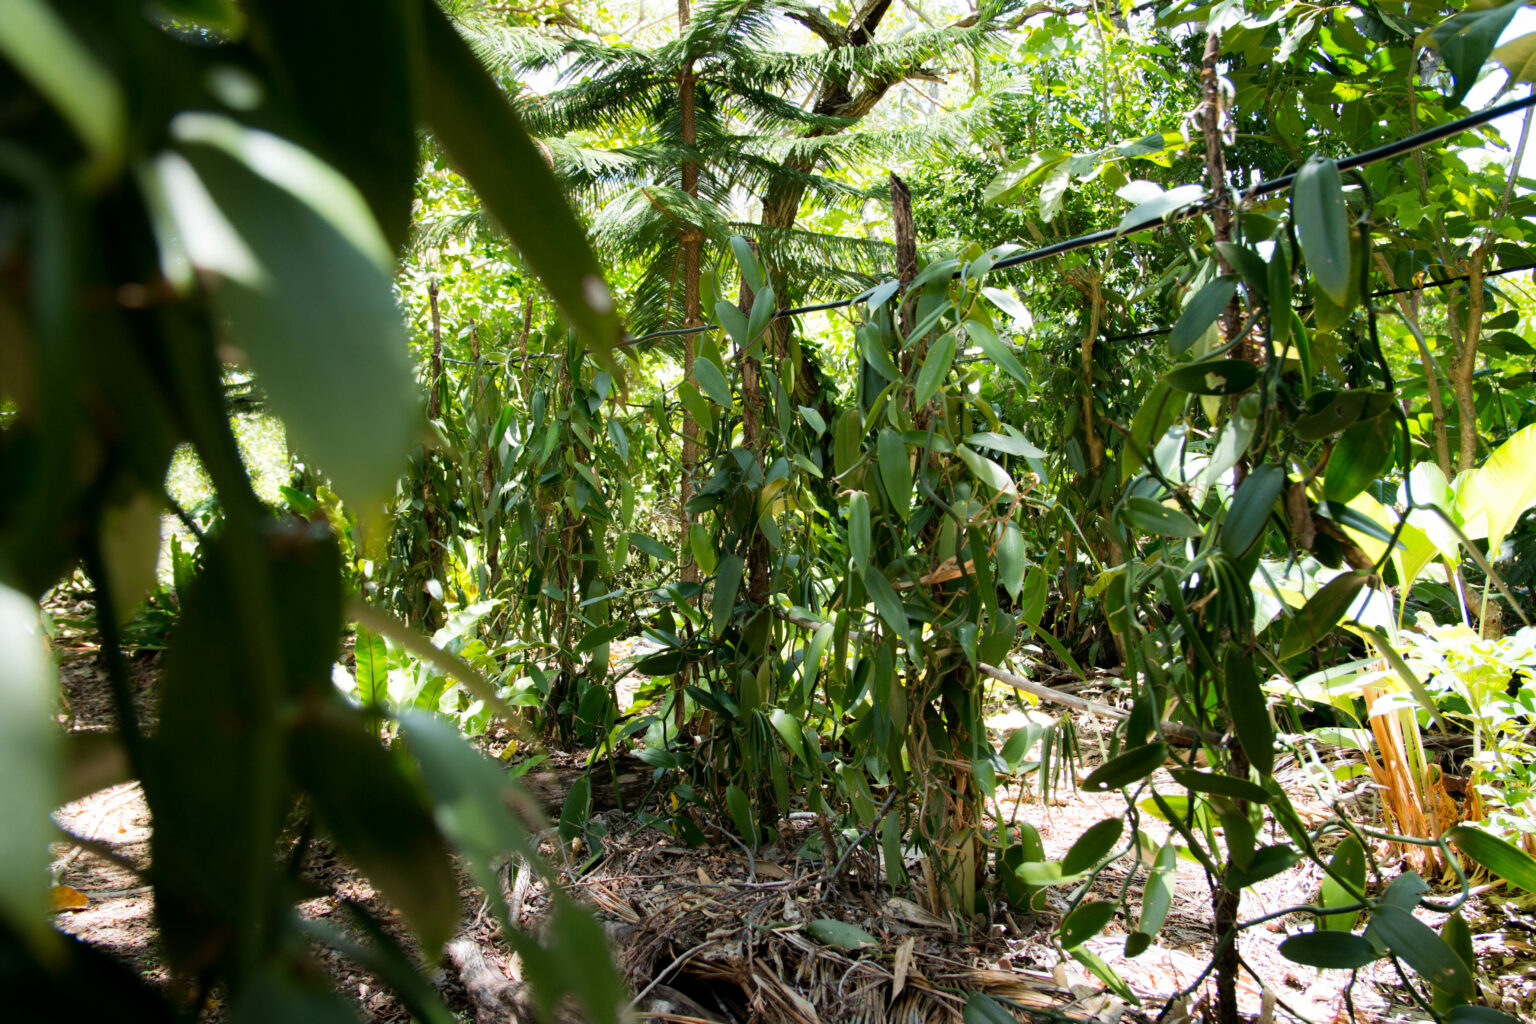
x,y
1185,212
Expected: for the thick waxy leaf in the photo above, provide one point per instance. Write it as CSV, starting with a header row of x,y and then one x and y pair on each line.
x,y
727,584
1322,226
1338,951
1093,846
983,1009
1085,922
1465,40
304,286
712,382
1320,614
1159,206
895,471
859,530
1503,859
40,45
1219,784
378,820
30,758
1154,517
1214,377
1420,948
599,635
1349,863
1201,312
935,367
1011,559
1267,862
993,347
653,547
470,116
840,933
1469,1013
1249,712
1006,444
1360,457
1156,900
349,79
873,348
886,601
1250,509
1130,767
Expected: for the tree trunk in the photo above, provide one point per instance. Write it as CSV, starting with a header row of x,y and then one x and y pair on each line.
x,y
1225,900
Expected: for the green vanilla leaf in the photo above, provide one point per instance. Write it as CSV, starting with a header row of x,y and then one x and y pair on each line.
x,y
1420,948
1250,509
1249,711
1322,226
1086,921
1503,859
895,471
472,118
1150,516
1201,312
1466,40
859,537
1349,863
1092,846
1130,767
1333,951
1323,610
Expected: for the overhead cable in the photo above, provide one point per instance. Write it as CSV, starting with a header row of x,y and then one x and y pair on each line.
x,y
1180,213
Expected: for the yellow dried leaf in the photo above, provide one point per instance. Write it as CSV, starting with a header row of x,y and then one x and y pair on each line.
x,y
62,897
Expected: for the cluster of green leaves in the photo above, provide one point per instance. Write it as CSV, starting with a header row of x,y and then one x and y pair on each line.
x,y
209,180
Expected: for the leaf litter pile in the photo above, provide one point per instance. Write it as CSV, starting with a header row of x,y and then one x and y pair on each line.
x,y
722,933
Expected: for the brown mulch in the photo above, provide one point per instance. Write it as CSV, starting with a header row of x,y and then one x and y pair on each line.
x,y
721,933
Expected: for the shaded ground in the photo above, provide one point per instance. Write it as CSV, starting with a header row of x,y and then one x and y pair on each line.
x,y
723,933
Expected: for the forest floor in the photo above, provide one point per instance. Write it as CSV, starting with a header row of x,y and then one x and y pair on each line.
x,y
719,933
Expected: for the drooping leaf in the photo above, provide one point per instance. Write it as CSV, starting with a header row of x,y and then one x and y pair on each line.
x,y
1250,509
727,585
378,819
1249,711
471,117
1086,921
1201,311
1502,858
1322,226
713,383
1320,614
1420,948
995,350
895,471
1348,862
936,366
1465,40
859,531
304,286
1360,457
1337,951
30,761
887,604
1126,769
349,79
1092,846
